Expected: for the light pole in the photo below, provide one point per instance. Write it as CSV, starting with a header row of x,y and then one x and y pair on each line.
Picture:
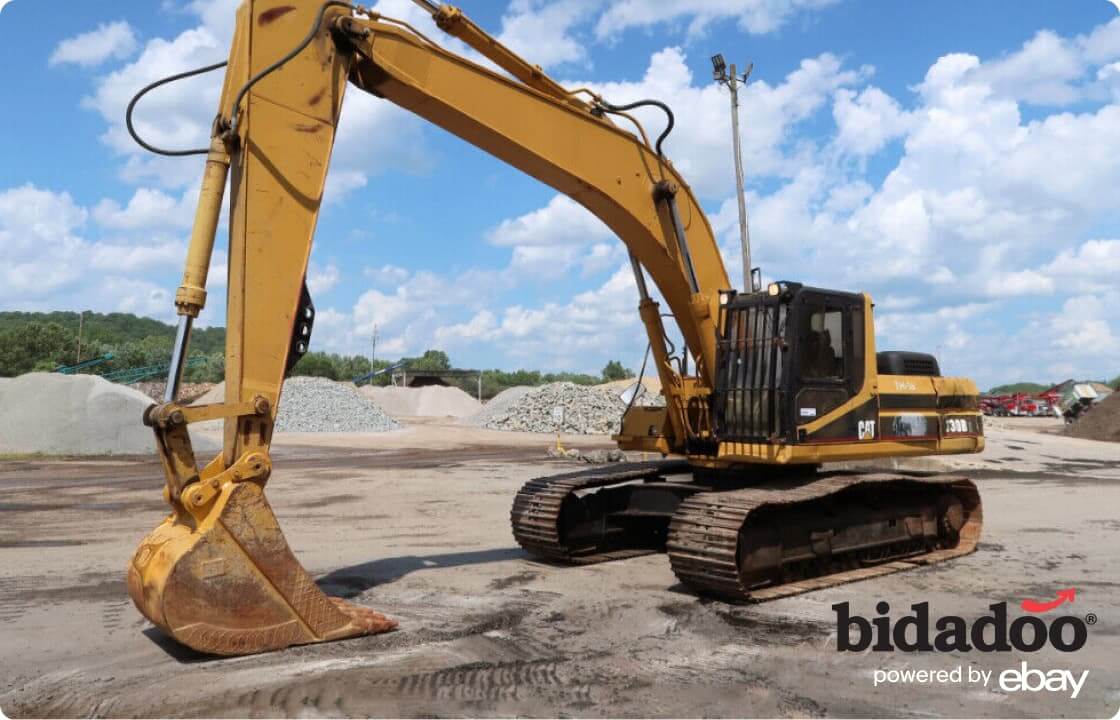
x,y
732,79
372,349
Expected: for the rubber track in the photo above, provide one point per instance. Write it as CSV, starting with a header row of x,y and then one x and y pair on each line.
x,y
536,509
704,534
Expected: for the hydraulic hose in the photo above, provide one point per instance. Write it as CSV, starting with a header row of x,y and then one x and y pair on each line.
x,y
641,103
169,79
240,95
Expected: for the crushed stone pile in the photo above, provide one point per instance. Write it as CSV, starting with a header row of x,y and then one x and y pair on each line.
x,y
313,404
586,410
1100,422
429,401
497,406
309,404
188,392
58,414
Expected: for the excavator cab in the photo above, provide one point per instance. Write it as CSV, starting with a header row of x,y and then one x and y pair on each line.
x,y
787,356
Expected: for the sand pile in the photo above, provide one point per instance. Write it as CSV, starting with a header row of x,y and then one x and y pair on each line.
x,y
429,401
1100,422
312,404
651,382
72,415
215,394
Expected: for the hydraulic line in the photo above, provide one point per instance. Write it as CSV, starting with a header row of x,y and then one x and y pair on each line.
x,y
240,95
144,91
643,103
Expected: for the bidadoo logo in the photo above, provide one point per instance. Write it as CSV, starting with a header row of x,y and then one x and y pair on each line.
x,y
952,633
993,632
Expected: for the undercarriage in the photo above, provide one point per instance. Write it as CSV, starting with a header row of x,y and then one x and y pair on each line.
x,y
750,534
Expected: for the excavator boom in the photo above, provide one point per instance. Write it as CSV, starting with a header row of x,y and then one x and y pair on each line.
x,y
218,574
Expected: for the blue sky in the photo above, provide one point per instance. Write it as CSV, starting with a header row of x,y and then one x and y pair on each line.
x,y
957,160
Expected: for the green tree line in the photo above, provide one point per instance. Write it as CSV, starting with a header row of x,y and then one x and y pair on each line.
x,y
42,342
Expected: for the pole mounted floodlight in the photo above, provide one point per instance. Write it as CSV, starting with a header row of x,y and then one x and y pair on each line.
x,y
718,67
752,278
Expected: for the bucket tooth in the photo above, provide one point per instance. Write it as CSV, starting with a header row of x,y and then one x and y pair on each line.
x,y
227,583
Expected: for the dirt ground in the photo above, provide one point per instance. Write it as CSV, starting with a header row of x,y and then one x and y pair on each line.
x,y
415,523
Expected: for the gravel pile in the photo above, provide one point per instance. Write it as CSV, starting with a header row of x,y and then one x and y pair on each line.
x,y
585,410
59,414
188,392
498,406
312,404
429,401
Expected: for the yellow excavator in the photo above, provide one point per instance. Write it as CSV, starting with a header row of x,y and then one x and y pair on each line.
x,y
783,379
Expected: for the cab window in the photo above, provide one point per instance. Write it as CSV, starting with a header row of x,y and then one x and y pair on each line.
x,y
822,349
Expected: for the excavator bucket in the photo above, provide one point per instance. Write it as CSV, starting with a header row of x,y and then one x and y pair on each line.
x,y
227,583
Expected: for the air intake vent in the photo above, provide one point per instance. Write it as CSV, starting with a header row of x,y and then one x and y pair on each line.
x,y
897,362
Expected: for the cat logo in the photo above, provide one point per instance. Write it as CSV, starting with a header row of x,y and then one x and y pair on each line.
x,y
866,429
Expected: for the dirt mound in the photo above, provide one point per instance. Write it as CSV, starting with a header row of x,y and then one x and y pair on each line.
x,y
1100,422
59,414
429,401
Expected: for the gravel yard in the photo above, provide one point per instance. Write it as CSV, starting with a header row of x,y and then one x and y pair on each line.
x,y
414,523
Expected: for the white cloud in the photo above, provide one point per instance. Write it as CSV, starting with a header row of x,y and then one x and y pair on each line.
x,y
1098,259
1044,71
114,40
561,222
386,275
1085,325
700,142
1052,70
550,241
582,333
148,208
140,297
1021,282
42,248
321,279
113,258
50,264
754,16
542,31
868,121
1102,45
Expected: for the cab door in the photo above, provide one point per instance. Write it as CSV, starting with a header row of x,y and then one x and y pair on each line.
x,y
828,361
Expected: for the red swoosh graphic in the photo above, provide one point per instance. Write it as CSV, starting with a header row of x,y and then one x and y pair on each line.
x,y
1035,606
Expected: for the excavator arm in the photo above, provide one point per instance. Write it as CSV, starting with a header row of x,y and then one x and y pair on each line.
x,y
218,574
